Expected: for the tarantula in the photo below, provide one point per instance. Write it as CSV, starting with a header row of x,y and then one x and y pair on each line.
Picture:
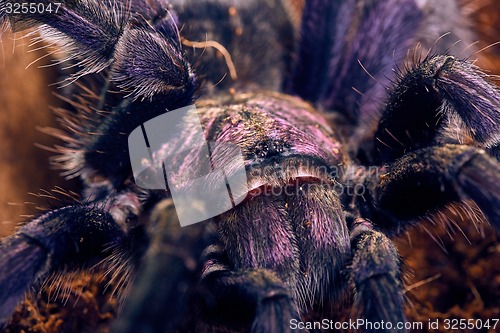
x,y
340,152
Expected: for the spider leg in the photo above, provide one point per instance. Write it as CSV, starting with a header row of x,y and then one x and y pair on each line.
x,y
142,82
426,96
376,276
255,295
73,234
160,294
99,34
341,46
348,50
427,179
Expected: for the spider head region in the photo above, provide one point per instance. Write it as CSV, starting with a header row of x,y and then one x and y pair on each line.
x,y
283,140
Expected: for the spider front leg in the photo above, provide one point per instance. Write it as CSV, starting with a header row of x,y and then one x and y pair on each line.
x,y
440,100
141,82
338,36
376,276
170,265
70,235
424,181
255,295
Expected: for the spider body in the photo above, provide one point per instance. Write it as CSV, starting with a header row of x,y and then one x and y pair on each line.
x,y
324,188
292,181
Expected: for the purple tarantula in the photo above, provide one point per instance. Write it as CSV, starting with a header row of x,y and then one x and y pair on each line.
x,y
340,152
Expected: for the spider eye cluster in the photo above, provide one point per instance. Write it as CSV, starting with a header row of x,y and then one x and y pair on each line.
x,y
271,148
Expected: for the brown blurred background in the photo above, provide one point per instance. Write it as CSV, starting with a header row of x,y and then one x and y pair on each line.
x,y
24,103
